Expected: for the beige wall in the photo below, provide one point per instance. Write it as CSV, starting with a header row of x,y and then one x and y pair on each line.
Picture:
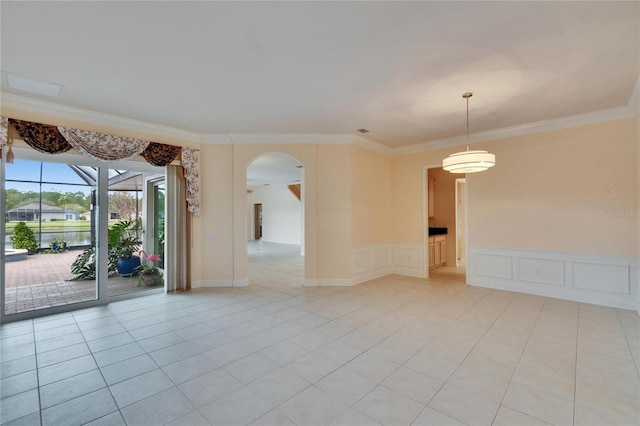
x,y
407,216
550,191
212,254
370,197
560,191
445,208
334,212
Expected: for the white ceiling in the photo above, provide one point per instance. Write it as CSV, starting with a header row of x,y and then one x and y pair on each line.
x,y
395,68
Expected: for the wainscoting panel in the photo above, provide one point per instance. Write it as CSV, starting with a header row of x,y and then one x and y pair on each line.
x,y
602,277
410,259
363,261
370,262
493,265
588,278
381,258
541,271
377,260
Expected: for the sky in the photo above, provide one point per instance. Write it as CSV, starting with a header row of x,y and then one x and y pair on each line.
x,y
51,172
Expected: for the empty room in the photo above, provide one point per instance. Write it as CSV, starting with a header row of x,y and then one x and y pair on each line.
x,y
320,213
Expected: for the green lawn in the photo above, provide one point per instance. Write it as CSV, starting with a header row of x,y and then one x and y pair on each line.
x,y
56,226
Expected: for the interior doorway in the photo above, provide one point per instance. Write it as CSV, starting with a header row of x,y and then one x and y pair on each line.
x,y
444,215
275,222
257,221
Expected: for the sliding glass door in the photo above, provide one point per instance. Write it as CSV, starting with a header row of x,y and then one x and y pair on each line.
x,y
48,221
68,223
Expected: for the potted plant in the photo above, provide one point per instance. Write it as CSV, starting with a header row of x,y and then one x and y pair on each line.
x,y
57,245
148,273
123,243
24,238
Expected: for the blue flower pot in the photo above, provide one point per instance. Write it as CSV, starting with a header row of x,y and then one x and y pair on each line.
x,y
127,265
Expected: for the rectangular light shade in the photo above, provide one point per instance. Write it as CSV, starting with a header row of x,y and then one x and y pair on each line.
x,y
17,82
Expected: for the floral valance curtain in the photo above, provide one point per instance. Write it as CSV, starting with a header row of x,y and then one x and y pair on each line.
x,y
41,137
190,164
100,146
4,131
160,154
55,140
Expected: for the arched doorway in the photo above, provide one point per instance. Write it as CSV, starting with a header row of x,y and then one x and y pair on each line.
x,y
275,221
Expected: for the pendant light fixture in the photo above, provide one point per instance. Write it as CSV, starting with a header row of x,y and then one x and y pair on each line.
x,y
468,161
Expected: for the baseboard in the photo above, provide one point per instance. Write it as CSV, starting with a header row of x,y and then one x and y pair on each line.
x,y
310,282
371,275
240,282
334,282
587,278
211,283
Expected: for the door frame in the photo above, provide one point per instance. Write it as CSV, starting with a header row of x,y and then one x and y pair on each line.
x,y
257,228
425,217
463,262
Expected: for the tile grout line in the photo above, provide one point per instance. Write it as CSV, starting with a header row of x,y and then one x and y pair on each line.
x,y
575,369
626,337
461,362
35,355
520,359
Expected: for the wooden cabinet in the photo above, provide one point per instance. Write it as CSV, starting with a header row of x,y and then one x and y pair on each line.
x,y
431,197
437,251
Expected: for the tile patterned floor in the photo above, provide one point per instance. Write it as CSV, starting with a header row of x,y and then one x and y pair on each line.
x,y
392,351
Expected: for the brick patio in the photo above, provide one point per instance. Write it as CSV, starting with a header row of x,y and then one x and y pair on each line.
x,y
42,281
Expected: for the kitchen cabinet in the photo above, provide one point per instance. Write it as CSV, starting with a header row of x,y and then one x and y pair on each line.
x,y
437,251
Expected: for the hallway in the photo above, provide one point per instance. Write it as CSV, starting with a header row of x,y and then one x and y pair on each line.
x,y
275,266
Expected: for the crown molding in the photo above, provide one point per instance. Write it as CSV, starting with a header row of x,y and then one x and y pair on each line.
x,y
371,145
297,138
13,101
216,138
611,114
287,138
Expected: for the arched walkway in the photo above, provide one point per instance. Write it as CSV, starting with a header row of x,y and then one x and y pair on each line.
x,y
275,221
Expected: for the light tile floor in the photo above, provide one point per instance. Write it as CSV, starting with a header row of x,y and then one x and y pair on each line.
x,y
392,351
